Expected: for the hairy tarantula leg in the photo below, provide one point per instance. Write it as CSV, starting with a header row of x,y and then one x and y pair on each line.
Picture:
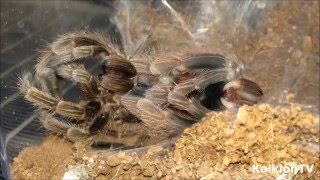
x,y
66,49
75,54
73,46
182,102
163,66
69,48
197,109
215,76
68,109
75,134
119,73
117,79
157,119
177,65
53,124
158,94
72,131
203,80
77,73
179,96
130,102
116,64
46,76
204,61
116,83
120,141
77,47
142,63
179,100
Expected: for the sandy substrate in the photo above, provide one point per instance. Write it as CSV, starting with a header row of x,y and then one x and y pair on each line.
x,y
221,146
47,161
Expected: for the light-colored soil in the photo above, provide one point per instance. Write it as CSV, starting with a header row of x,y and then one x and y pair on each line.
x,y
47,161
216,148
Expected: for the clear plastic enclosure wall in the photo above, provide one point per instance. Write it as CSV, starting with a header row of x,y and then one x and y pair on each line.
x,y
277,41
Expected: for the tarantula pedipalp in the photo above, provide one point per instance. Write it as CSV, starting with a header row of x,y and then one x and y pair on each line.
x,y
139,97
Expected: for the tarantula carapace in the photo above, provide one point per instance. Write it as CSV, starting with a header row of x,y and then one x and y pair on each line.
x,y
135,98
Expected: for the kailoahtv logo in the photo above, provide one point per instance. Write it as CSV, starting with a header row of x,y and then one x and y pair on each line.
x,y
290,168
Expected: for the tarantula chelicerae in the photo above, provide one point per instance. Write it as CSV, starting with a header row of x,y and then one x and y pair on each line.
x,y
134,98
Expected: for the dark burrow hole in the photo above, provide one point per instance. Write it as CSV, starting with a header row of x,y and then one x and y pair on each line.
x,y
210,97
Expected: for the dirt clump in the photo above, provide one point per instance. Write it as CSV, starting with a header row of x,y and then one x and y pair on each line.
x,y
47,161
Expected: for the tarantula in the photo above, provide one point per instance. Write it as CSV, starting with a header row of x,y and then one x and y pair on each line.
x,y
135,98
